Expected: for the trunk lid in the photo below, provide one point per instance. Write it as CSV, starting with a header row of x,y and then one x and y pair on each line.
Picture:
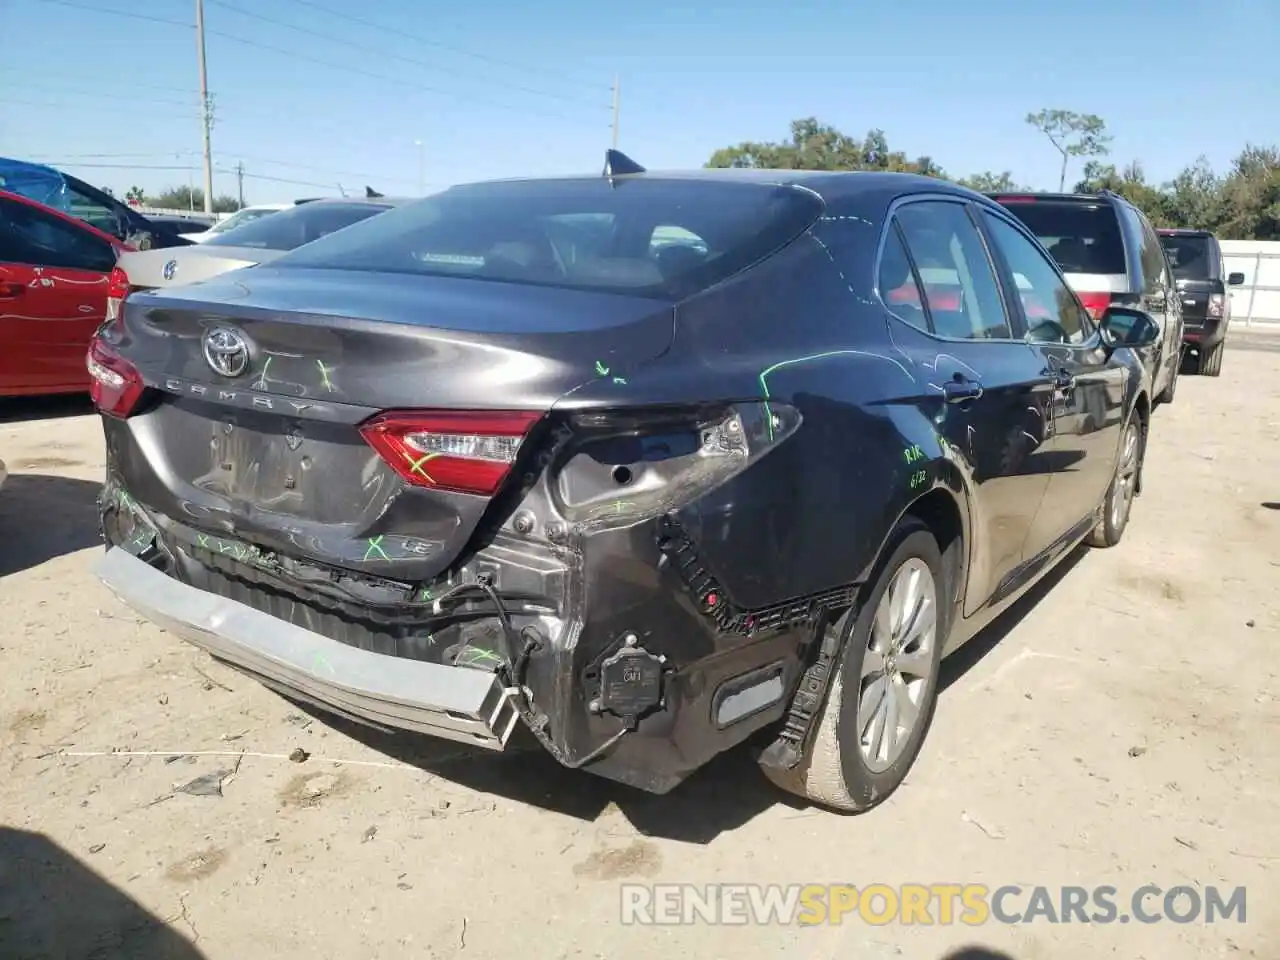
x,y
273,456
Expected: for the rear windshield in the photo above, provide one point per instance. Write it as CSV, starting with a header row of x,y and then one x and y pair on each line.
x,y
644,237
1082,237
291,228
1189,256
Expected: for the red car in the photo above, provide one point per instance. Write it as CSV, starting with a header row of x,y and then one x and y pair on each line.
x,y
55,279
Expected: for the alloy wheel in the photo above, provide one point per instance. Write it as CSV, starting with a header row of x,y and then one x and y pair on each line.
x,y
1126,480
897,665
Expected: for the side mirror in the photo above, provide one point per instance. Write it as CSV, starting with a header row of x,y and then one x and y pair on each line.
x,y
1235,279
1127,327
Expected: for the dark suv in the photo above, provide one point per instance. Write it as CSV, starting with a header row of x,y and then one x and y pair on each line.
x,y
1198,271
1110,254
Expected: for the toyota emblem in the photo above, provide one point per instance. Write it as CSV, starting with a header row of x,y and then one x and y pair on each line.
x,y
226,352
170,269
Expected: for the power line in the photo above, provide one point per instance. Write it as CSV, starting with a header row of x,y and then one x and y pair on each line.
x,y
301,56
382,76
380,52
120,13
45,105
94,94
417,38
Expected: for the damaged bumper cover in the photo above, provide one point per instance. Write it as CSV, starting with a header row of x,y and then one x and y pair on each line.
x,y
455,703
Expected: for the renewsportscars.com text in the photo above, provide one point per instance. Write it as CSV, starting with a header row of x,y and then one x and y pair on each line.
x,y
880,904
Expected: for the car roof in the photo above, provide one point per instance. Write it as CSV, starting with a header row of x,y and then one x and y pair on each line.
x,y
829,184
75,221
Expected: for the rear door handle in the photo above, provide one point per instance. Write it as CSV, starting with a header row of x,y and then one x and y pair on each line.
x,y
959,389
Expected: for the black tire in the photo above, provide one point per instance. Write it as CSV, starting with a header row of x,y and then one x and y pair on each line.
x,y
1123,487
833,771
1211,360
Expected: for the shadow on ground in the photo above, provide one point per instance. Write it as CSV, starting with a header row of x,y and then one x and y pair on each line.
x,y
53,905
23,409
976,953
43,516
722,796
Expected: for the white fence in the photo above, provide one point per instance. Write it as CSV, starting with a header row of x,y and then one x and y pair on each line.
x,y
1256,303
145,209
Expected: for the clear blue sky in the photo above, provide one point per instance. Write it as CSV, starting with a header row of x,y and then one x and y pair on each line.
x,y
1172,78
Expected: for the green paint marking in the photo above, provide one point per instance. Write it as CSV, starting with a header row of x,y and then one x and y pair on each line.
x,y
202,540
764,374
375,546
415,466
262,377
225,547
913,453
425,594
918,478
324,377
621,380
601,369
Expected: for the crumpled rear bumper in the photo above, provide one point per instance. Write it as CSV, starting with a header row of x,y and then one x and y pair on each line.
x,y
456,703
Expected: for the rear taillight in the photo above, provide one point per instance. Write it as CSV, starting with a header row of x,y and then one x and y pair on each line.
x,y
1216,303
114,383
462,451
1095,303
117,290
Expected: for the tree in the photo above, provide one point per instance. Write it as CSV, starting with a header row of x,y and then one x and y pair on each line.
x,y
192,198
988,182
1131,183
1072,135
135,195
819,146
1242,204
1251,194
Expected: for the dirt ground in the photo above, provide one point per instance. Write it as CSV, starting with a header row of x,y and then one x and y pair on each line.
x,y
1123,729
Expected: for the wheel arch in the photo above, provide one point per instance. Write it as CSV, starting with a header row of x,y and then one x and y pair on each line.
x,y
945,512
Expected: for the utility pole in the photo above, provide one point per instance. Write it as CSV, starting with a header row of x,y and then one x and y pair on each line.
x,y
617,107
205,118
240,182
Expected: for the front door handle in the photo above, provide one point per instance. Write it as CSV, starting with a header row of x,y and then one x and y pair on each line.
x,y
10,290
960,389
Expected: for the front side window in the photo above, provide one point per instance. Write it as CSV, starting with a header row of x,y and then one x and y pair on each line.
x,y
33,237
1052,312
645,237
962,295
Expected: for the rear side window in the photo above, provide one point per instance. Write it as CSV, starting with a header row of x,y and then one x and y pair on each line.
x,y
1082,237
33,237
290,229
1190,256
1150,254
666,239
961,292
899,288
